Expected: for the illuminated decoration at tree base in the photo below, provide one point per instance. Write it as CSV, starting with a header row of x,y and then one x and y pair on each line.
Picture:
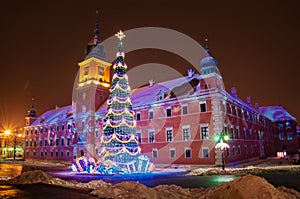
x,y
120,151
139,164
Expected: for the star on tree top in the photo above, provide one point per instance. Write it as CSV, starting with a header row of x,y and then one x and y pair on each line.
x,y
120,35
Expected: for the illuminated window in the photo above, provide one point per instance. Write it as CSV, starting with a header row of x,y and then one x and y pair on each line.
x,y
188,153
204,133
169,132
83,95
172,153
288,126
239,149
184,109
243,114
151,135
186,133
205,152
86,71
169,112
280,126
230,109
100,70
202,107
281,136
83,109
290,136
154,153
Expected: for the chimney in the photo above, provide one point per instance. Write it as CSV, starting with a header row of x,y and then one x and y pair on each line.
x,y
57,107
190,72
233,91
249,101
151,82
256,105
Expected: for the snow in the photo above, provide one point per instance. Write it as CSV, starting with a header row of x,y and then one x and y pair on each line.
x,y
246,187
276,113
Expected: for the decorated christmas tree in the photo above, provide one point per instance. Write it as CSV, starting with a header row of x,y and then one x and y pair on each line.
x,y
120,150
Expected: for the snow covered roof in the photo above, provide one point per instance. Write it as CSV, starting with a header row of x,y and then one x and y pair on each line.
x,y
54,115
276,113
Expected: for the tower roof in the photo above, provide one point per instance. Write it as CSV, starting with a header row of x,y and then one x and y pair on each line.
x,y
32,112
208,63
94,47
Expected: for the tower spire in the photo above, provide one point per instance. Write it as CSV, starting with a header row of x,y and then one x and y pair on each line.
x,y
207,51
96,31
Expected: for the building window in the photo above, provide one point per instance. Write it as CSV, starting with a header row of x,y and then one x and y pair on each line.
x,y
281,136
202,107
232,132
204,133
68,154
57,141
83,109
69,126
169,133
57,128
26,143
138,116
236,112
245,149
139,135
97,133
62,142
280,126
46,130
239,149
205,152
233,150
34,144
184,109
288,126
188,153
51,153
186,133
290,136
68,141
41,130
150,114
51,141
154,153
251,149
230,109
62,127
97,151
250,133
61,153
172,153
51,129
41,142
34,153
86,71
46,142
56,153
169,112
238,135
100,71
226,130
45,153
245,133
151,135
243,114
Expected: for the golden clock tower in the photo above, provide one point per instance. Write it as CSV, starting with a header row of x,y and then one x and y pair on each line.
x,y
91,91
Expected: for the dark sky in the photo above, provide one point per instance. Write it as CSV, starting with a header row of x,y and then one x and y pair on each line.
x,y
255,42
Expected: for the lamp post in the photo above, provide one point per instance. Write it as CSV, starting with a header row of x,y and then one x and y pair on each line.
x,y
222,146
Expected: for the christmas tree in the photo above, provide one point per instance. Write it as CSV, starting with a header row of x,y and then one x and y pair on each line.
x,y
120,150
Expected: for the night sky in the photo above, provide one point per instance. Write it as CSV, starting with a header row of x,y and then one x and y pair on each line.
x,y
41,42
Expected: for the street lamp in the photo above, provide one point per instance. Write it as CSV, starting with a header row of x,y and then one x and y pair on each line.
x,y
222,146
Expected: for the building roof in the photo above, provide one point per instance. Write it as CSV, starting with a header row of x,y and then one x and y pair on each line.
x,y
55,115
276,113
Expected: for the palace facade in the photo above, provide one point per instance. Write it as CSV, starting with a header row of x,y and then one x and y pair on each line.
x,y
178,121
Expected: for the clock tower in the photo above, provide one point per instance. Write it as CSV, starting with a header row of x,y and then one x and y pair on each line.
x,y
91,91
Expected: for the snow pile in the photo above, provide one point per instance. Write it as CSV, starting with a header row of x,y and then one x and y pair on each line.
x,y
249,170
246,187
38,176
249,187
